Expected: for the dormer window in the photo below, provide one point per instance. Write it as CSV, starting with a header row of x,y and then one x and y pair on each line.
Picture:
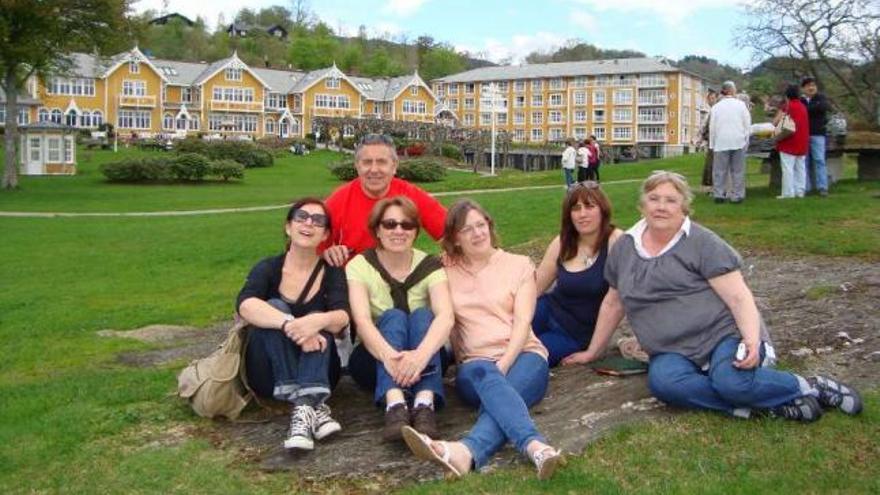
x,y
134,67
233,74
414,90
332,83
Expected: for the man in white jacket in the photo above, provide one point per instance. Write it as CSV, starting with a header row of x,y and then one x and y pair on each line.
x,y
568,161
729,124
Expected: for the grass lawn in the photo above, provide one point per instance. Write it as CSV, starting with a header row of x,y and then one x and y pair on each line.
x,y
74,420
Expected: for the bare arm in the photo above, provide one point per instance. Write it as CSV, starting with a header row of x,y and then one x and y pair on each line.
x,y
523,311
546,272
732,289
260,314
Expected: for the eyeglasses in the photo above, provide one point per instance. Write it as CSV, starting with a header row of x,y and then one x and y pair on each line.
x,y
318,219
469,230
391,224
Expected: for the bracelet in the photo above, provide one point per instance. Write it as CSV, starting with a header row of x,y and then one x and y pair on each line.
x,y
287,319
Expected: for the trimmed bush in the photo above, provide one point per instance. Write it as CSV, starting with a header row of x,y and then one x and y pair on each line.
x,y
451,151
137,170
415,170
344,171
421,170
245,153
227,169
190,166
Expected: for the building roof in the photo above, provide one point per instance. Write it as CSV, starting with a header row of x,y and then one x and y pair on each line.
x,y
165,18
47,125
562,69
280,81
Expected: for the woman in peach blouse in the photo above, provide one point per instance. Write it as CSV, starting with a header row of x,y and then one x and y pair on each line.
x,y
502,366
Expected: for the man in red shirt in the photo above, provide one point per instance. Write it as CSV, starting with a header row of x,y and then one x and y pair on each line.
x,y
350,204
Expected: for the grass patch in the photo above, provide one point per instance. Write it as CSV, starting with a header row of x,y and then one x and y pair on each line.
x,y
73,419
818,292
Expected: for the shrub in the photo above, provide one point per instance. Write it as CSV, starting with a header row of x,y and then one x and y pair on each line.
x,y
421,170
349,143
226,169
137,169
451,151
416,170
344,171
245,153
190,166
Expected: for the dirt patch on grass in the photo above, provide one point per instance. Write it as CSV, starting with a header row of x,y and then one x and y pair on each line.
x,y
823,315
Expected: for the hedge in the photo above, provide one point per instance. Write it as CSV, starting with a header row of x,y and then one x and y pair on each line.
x,y
245,153
415,170
186,167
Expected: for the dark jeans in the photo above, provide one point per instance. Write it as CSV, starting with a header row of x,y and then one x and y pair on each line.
x,y
676,380
707,169
404,333
557,340
583,173
504,402
277,367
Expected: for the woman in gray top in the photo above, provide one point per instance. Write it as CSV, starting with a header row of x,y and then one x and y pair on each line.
x,y
682,290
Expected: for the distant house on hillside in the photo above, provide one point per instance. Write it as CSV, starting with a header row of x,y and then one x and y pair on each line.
x,y
241,30
161,21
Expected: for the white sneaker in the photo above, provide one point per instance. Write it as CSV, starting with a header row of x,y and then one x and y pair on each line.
x,y
324,424
302,420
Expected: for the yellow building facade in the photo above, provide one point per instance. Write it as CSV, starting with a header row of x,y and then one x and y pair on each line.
x,y
144,97
624,102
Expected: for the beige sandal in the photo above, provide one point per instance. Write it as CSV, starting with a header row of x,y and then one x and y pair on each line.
x,y
420,445
547,459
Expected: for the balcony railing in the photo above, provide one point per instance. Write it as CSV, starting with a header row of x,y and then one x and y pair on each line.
x,y
652,119
236,106
652,83
653,100
332,112
178,104
652,138
137,101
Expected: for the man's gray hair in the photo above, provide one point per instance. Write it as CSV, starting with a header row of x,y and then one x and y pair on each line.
x,y
728,87
373,139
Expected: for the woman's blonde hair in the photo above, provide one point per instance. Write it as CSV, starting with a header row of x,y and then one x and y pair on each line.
x,y
678,181
455,220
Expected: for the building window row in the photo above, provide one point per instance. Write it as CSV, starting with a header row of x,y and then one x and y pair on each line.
x,y
24,116
332,101
233,122
71,86
233,74
415,106
134,119
221,93
276,100
134,87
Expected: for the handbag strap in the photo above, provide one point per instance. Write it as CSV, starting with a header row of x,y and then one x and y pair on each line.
x,y
311,281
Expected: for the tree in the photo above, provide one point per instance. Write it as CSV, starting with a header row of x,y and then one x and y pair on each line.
x,y
836,41
313,49
36,38
441,61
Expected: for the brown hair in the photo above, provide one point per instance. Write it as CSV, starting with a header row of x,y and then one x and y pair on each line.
x,y
568,234
455,219
299,203
410,211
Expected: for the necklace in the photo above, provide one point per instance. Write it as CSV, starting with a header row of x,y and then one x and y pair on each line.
x,y
589,260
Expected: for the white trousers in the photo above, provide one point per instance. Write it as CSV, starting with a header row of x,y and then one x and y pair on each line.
x,y
793,178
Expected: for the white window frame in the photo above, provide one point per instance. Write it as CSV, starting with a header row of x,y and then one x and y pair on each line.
x,y
53,149
537,100
134,67
233,74
537,134
599,97
580,98
540,118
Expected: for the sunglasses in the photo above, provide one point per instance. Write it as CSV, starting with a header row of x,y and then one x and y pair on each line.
x,y
318,219
393,224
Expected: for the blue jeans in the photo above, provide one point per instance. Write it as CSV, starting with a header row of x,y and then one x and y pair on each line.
x,y
557,340
816,164
676,380
404,333
277,367
504,402
569,176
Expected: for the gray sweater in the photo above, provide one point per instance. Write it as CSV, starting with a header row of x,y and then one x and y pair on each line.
x,y
668,300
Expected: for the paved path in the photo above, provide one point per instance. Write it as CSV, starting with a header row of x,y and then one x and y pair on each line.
x,y
184,213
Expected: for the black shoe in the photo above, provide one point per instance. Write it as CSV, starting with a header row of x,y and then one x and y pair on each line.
x,y
424,421
806,409
719,200
832,393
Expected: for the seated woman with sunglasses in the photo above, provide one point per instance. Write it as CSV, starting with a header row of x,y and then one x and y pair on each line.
x,y
401,308
566,316
295,303
502,365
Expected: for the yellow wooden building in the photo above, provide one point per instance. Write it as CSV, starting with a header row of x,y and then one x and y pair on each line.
x,y
624,102
143,97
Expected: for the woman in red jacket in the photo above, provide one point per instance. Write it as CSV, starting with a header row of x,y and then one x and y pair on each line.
x,y
793,149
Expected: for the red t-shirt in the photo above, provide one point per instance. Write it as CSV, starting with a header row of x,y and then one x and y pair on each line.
x,y
350,209
797,144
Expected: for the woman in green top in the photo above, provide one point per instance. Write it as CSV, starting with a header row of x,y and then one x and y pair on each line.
x,y
402,310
